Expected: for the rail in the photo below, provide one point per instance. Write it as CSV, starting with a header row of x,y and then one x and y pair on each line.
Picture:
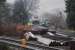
x,y
31,46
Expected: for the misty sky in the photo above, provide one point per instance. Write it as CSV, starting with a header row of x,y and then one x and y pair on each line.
x,y
48,5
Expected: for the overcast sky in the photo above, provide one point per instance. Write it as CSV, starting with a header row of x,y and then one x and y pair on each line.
x,y
48,5
10,1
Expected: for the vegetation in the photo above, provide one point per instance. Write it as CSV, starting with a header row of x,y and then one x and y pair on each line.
x,y
4,47
55,21
70,9
23,10
12,15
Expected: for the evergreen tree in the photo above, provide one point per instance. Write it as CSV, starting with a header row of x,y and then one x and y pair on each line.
x,y
70,9
2,1
4,12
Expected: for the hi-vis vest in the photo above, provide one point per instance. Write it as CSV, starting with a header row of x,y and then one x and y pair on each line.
x,y
24,43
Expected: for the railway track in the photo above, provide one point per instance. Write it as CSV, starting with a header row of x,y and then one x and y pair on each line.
x,y
31,46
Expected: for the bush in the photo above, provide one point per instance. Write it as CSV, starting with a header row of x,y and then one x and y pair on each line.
x,y
4,46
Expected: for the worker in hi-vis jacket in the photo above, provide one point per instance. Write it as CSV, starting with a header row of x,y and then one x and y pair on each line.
x,y
23,40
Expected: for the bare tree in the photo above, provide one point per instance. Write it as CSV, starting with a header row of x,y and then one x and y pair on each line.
x,y
23,9
55,21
